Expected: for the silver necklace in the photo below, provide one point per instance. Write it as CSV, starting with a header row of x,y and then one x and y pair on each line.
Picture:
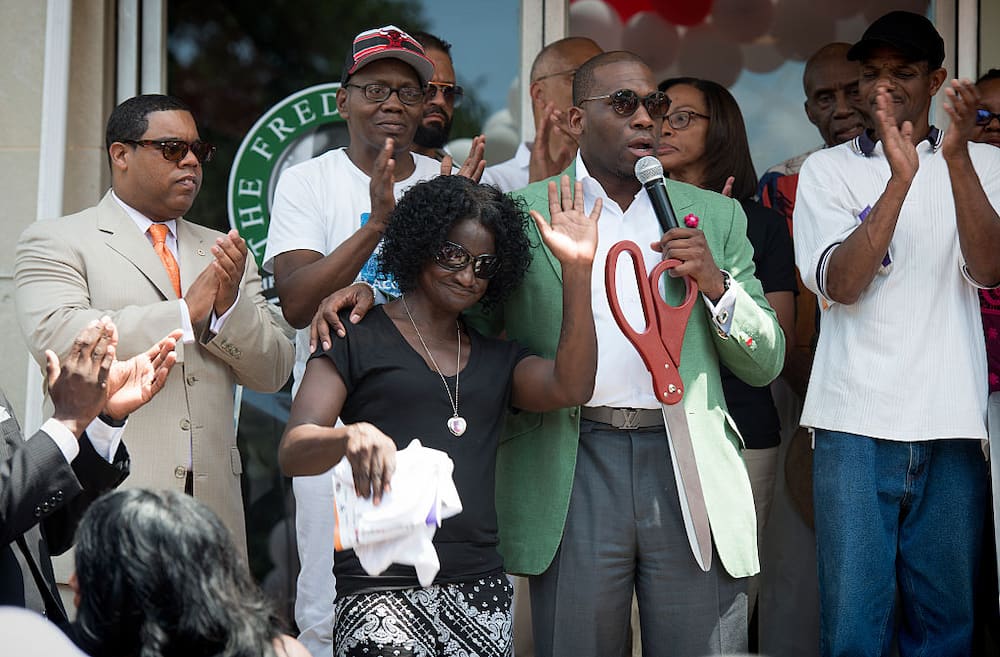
x,y
456,423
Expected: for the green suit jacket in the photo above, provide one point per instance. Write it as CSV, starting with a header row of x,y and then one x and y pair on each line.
x,y
537,455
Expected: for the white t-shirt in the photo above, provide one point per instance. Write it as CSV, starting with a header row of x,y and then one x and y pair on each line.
x,y
907,361
511,174
317,205
320,203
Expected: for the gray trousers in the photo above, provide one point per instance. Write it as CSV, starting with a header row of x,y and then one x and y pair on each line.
x,y
624,532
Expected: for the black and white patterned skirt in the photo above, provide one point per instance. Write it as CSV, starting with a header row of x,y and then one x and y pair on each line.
x,y
468,619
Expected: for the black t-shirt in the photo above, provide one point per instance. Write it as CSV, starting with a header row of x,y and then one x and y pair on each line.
x,y
391,386
774,258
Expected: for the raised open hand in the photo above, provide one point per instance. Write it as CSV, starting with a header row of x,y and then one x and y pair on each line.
x,y
381,187
543,164
570,234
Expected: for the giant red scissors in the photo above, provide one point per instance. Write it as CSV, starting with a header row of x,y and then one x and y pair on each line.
x,y
659,344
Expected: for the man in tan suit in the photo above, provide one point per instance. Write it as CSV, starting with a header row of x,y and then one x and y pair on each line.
x,y
132,257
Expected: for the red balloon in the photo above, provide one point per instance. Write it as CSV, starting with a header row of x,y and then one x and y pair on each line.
x,y
683,12
628,8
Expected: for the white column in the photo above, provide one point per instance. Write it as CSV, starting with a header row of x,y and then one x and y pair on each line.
x,y
51,157
127,78
153,44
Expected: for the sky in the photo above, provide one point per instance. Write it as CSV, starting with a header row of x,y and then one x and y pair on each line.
x,y
485,43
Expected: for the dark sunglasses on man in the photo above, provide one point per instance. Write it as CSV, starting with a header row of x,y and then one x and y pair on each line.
x,y
175,150
985,117
452,93
625,102
455,257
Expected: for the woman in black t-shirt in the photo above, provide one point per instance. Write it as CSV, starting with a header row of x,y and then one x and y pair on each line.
x,y
412,368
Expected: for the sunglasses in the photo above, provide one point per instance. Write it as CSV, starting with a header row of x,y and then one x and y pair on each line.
x,y
455,257
377,92
681,119
452,93
985,117
174,150
625,102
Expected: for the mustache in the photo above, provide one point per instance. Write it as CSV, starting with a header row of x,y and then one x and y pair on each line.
x,y
431,111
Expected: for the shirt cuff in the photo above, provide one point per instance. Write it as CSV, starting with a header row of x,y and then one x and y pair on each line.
x,y
722,310
216,325
62,437
105,438
188,330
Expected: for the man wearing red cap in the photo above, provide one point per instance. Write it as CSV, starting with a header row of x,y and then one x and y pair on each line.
x,y
898,230
326,224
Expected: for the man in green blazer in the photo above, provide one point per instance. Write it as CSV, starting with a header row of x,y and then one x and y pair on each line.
x,y
590,511
586,500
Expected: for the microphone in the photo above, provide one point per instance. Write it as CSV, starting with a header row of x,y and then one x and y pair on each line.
x,y
649,171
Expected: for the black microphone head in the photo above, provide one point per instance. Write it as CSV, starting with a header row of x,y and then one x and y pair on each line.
x,y
647,169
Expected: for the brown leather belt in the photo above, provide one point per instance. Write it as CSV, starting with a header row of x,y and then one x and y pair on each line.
x,y
624,418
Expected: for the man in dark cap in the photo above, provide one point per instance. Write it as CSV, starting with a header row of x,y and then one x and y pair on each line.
x,y
896,231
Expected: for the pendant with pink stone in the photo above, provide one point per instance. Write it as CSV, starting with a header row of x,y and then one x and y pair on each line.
x,y
457,425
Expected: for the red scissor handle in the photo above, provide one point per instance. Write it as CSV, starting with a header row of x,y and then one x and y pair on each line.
x,y
660,342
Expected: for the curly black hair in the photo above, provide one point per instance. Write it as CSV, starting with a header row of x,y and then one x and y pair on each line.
x,y
423,217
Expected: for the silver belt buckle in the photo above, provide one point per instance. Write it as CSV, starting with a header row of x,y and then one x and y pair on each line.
x,y
630,419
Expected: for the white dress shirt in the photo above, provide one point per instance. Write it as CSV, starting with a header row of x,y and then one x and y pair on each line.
x,y
622,379
143,223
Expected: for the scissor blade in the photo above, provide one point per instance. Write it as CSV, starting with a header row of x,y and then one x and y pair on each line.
x,y
689,489
993,431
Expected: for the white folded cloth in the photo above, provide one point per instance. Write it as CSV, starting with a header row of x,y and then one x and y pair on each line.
x,y
401,528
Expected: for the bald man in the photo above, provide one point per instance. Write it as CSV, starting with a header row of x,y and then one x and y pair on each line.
x,y
551,97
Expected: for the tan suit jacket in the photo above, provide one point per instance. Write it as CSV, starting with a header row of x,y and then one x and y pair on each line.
x,y
72,270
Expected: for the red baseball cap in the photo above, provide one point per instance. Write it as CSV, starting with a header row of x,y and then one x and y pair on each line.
x,y
387,42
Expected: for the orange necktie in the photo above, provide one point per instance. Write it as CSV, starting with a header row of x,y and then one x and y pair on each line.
x,y
159,233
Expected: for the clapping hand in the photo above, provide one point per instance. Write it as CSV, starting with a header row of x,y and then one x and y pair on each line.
x,y
230,253
962,103
542,164
133,382
473,166
77,385
897,140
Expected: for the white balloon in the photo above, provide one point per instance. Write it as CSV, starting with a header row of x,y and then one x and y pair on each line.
x,y
653,39
459,149
598,21
761,57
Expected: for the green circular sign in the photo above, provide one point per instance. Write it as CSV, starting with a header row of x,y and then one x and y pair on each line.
x,y
297,128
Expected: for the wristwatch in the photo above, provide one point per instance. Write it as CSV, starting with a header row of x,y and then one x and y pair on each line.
x,y
727,280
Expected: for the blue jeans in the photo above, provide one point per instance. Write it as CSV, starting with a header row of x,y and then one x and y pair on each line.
x,y
897,517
